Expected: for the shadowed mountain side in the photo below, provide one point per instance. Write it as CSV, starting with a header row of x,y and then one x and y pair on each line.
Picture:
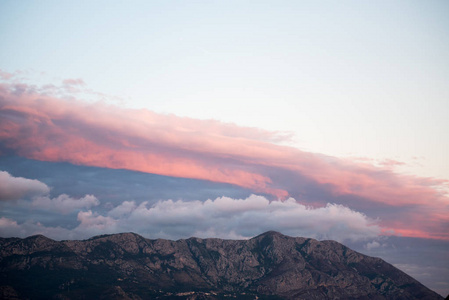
x,y
128,266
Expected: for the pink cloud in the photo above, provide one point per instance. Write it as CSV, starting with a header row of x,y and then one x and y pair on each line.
x,y
391,163
47,128
77,81
6,75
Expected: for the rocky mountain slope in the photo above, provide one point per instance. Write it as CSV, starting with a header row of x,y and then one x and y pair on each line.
x,y
128,266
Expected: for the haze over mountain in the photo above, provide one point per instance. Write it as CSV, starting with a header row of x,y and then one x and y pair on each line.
x,y
128,266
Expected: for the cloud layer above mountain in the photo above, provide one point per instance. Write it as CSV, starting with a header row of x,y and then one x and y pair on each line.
x,y
223,217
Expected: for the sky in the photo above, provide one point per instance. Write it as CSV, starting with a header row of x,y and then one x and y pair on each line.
x,y
173,119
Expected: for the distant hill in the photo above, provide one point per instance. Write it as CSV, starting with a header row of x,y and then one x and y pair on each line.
x,y
128,266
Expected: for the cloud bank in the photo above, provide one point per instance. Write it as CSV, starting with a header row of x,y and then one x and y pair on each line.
x,y
223,217
48,128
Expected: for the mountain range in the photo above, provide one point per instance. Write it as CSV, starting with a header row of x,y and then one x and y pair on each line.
x,y
128,266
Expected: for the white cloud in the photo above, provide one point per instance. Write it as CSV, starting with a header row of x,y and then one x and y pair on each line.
x,y
10,228
8,223
92,224
226,217
372,245
123,209
15,188
223,217
64,203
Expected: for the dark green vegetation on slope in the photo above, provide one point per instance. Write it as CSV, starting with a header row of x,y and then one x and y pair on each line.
x,y
128,266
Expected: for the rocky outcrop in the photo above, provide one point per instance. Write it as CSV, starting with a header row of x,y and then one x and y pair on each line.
x,y
128,266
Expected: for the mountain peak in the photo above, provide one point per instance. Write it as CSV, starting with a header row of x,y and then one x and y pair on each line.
x,y
271,234
38,237
116,235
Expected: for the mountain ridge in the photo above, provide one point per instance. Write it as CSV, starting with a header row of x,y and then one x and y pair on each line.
x,y
127,265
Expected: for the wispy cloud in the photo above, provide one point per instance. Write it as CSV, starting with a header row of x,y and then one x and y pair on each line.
x,y
43,127
71,82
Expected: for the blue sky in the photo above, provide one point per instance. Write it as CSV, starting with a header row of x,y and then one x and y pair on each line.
x,y
113,112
